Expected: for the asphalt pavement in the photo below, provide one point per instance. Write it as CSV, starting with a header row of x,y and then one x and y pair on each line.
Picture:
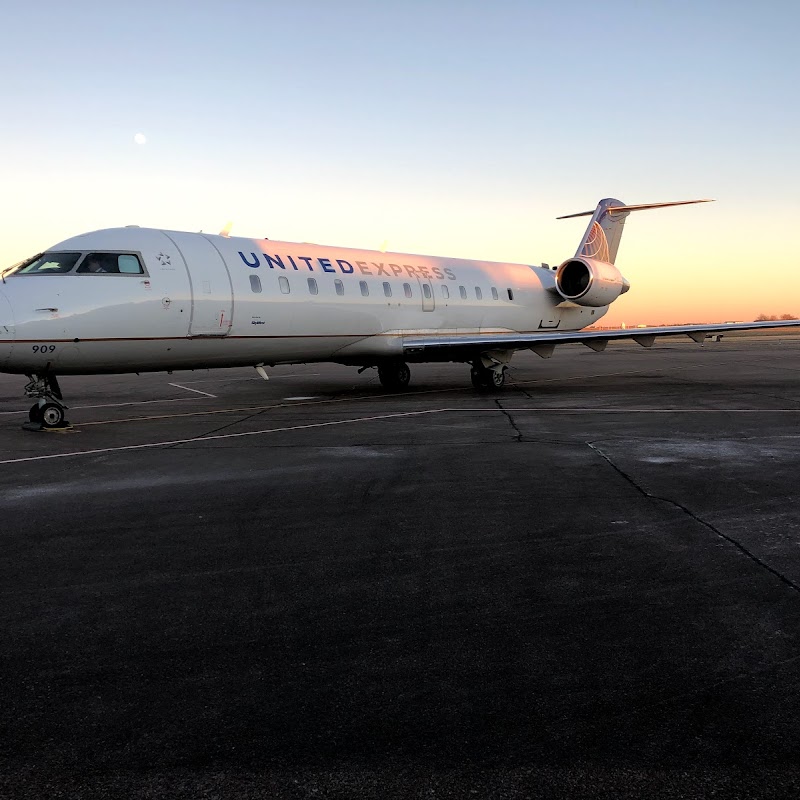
x,y
584,585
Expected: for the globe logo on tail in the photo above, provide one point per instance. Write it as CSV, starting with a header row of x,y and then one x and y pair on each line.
x,y
596,245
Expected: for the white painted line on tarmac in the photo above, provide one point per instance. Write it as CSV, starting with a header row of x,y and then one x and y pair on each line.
x,y
512,383
113,405
197,391
217,436
399,415
595,410
250,409
256,378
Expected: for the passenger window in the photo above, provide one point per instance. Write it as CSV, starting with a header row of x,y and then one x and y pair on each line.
x,y
364,288
407,289
510,294
339,287
495,296
478,293
463,292
426,290
255,283
387,288
283,282
445,292
312,286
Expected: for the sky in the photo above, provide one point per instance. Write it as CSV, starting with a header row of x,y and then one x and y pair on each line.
x,y
445,128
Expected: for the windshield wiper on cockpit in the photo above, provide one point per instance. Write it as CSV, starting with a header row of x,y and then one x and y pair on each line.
x,y
8,269
18,265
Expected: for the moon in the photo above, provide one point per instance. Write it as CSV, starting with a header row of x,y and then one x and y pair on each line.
x,y
140,138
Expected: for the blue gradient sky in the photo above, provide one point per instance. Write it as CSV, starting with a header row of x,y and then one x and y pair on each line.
x,y
453,128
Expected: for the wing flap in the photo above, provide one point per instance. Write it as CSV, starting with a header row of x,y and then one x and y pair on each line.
x,y
540,341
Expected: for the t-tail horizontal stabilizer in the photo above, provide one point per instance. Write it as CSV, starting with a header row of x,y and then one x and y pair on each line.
x,y
638,207
602,237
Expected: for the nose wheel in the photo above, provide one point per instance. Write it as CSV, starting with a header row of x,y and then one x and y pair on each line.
x,y
47,413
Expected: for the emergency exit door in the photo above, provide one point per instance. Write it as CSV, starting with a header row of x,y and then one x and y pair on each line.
x,y
212,292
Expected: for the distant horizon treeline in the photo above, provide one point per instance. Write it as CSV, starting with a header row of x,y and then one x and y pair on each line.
x,y
773,317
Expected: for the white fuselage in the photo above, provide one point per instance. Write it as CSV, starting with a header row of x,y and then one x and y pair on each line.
x,y
211,301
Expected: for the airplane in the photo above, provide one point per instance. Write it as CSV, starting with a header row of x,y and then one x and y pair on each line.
x,y
133,299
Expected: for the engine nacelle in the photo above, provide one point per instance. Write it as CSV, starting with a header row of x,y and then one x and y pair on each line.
x,y
589,282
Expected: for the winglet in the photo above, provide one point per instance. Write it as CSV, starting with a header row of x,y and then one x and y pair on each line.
x,y
226,231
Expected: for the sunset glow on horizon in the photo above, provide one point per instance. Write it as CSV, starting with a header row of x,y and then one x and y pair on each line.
x,y
452,129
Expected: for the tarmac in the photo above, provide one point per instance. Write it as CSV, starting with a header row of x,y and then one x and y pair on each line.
x,y
584,585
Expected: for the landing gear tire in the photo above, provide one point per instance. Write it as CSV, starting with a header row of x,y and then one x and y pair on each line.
x,y
487,378
395,375
51,415
48,411
496,378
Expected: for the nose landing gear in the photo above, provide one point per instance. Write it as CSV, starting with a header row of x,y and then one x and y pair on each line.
x,y
48,412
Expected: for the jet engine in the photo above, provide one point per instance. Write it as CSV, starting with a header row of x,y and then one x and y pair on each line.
x,y
589,282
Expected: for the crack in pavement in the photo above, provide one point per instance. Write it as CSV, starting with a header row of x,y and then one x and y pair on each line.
x,y
220,428
519,437
519,388
752,556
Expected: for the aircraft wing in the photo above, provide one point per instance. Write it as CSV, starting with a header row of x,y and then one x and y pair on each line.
x,y
543,342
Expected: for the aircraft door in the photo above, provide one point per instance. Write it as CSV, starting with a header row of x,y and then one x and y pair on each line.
x,y
428,300
212,291
7,330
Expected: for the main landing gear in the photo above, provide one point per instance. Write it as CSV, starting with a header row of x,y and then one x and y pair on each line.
x,y
394,375
48,412
487,377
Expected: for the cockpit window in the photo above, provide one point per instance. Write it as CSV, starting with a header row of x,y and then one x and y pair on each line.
x,y
111,263
60,263
129,264
49,264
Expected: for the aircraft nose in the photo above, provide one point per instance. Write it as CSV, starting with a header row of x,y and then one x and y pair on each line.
x,y
7,330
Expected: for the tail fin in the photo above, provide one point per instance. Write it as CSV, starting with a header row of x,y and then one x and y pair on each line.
x,y
602,237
